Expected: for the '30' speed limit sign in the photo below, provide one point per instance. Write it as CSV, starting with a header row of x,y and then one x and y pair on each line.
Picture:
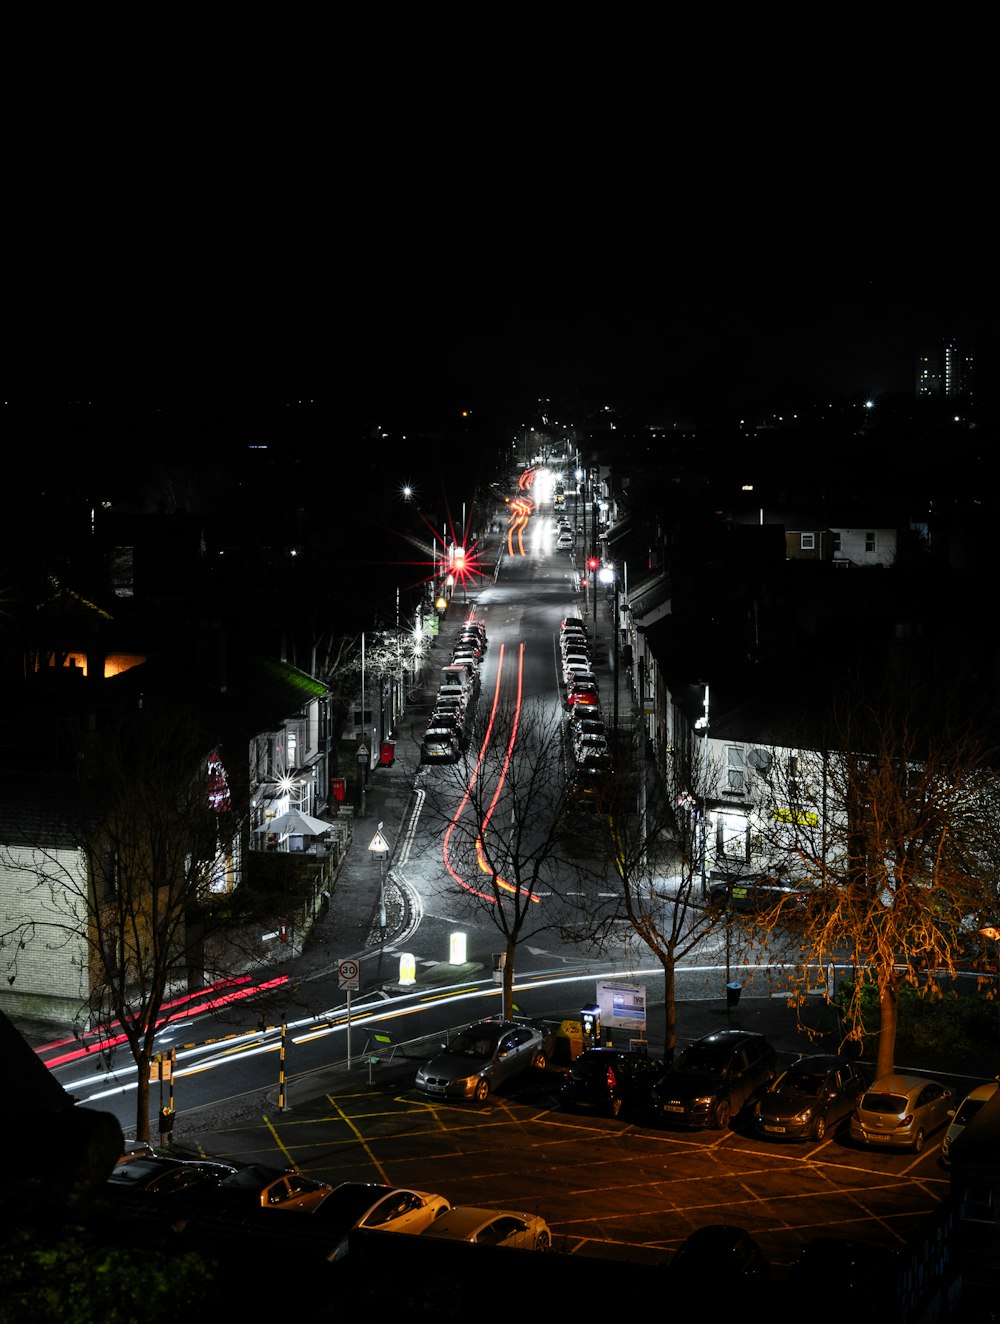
x,y
350,975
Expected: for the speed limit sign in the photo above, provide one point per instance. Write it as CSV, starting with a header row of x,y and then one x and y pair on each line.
x,y
350,975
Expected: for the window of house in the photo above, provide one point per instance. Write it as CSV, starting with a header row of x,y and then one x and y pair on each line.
x,y
735,769
732,837
870,540
807,541
836,543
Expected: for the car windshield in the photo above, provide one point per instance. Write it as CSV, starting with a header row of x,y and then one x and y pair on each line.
x,y
806,1082
703,1059
473,1043
885,1103
967,1111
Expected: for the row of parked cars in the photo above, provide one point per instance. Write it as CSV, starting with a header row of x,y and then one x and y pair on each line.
x,y
718,1077
195,1190
448,728
588,751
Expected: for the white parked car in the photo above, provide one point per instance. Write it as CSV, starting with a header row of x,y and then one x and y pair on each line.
x,y
492,1227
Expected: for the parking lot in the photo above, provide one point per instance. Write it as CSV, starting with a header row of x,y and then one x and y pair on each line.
x,y
609,1188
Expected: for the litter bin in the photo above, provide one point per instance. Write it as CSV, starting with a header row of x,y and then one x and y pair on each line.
x,y
568,1043
733,992
387,753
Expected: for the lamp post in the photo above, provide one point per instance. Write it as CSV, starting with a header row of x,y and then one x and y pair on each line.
x,y
702,725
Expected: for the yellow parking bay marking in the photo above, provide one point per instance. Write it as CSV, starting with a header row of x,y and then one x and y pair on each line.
x,y
360,1138
279,1142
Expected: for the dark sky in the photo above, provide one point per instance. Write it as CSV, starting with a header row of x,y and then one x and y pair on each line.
x,y
421,208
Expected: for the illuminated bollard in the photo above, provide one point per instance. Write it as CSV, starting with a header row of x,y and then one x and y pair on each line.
x,y
407,968
457,956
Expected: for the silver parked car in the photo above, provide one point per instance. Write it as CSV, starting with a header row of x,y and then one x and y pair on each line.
x,y
483,1056
492,1227
900,1111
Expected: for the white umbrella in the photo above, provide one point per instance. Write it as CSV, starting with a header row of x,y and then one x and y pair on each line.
x,y
295,823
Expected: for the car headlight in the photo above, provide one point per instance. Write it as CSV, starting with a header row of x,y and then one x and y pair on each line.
x,y
803,1117
705,1101
467,1082
756,1111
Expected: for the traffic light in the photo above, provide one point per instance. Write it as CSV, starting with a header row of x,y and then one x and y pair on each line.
x,y
592,563
583,581
458,558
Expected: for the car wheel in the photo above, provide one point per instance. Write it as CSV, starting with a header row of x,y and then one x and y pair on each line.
x,y
482,1090
542,1241
720,1119
918,1142
540,1062
616,1105
819,1128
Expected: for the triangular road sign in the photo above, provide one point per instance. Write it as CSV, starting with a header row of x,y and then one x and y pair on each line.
x,y
379,843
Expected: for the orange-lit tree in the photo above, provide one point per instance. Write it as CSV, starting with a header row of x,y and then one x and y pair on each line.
x,y
893,828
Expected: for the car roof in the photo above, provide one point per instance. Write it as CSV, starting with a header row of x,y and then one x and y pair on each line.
x,y
895,1082
984,1091
729,1037
466,1219
820,1062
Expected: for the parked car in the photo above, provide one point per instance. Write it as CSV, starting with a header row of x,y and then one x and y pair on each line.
x,y
964,1113
754,895
440,745
360,1204
136,1149
594,750
492,1227
166,1176
567,621
900,1111
585,725
583,694
718,1255
589,788
565,541
482,1057
610,1080
573,636
865,1273
715,1078
258,1185
815,1094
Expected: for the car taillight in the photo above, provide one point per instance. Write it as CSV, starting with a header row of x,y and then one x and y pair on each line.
x,y
611,1082
905,1121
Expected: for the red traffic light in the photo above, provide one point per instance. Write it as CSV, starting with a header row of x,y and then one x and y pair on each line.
x,y
592,563
583,581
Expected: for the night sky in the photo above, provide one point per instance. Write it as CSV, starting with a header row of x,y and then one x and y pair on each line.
x,y
415,213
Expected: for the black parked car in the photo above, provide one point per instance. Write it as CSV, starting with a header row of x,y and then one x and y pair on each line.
x,y
720,1256
714,1078
810,1098
610,1079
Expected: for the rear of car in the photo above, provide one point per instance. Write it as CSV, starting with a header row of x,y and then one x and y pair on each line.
x,y
440,745
900,1111
610,1080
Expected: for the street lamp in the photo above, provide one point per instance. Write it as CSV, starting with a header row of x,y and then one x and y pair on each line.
x,y
701,724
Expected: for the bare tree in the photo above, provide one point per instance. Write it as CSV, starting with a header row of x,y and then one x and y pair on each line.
x,y
653,853
502,823
894,830
140,847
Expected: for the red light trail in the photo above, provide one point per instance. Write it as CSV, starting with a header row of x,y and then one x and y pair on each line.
x,y
499,882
